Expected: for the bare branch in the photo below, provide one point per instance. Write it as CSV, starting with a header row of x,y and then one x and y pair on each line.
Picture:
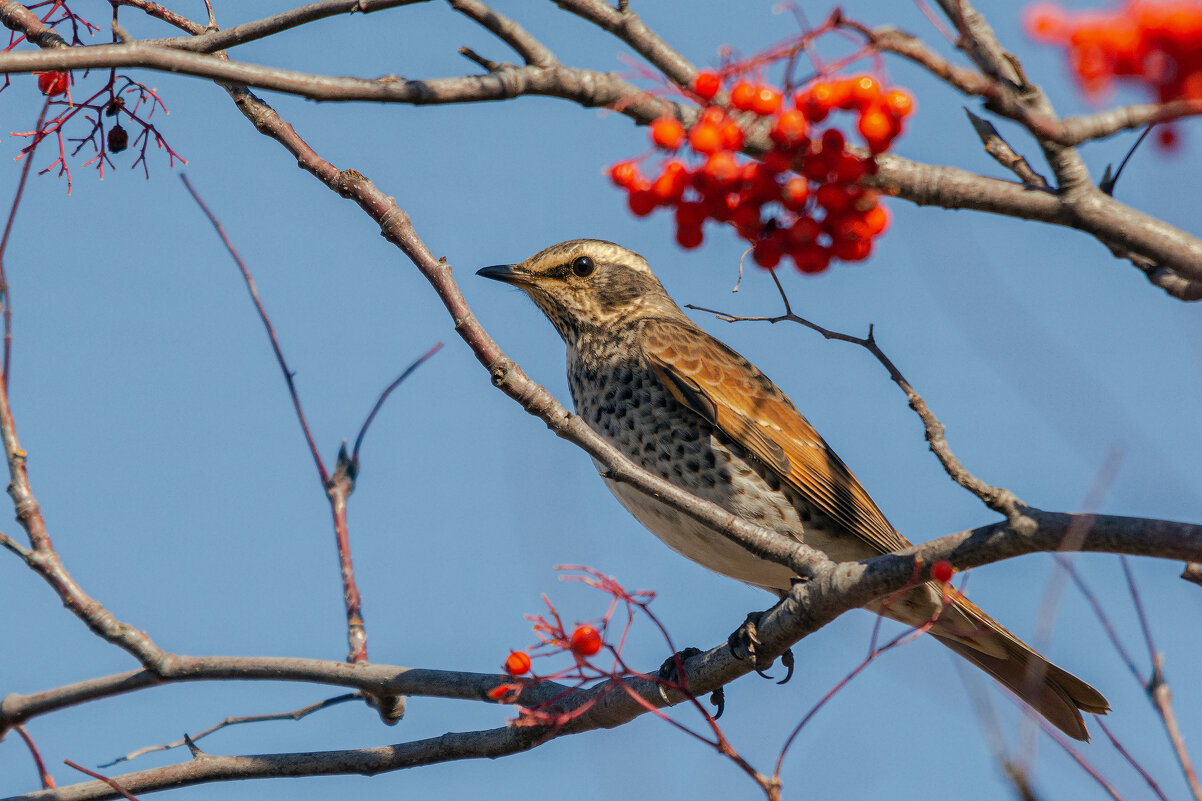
x,y
1003,154
530,49
259,29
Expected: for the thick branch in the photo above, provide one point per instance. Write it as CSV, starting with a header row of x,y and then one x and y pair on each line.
x,y
833,589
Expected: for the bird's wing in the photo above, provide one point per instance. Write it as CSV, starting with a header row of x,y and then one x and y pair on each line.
x,y
734,396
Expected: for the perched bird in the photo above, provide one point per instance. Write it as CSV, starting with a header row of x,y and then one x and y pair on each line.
x,y
688,408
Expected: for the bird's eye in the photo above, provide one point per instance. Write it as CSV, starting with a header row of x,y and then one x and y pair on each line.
x,y
583,267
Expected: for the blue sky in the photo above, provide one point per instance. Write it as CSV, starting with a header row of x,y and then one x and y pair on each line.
x,y
178,489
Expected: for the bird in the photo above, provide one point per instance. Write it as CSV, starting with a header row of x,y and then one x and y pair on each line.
x,y
687,408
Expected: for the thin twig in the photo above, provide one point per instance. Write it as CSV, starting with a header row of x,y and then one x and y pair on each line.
x,y
999,499
271,335
384,396
295,714
5,289
110,782
43,775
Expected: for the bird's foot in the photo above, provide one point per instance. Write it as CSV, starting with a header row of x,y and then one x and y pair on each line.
x,y
669,672
743,644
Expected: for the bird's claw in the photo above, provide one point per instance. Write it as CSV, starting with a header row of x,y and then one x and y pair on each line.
x,y
669,671
743,645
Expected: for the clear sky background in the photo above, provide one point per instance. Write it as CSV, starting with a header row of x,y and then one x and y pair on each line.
x,y
178,489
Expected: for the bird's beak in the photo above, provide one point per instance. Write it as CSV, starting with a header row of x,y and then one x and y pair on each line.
x,y
506,273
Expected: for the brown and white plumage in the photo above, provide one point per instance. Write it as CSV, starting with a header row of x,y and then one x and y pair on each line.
x,y
690,409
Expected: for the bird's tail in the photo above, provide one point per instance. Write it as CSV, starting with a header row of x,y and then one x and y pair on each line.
x,y
961,625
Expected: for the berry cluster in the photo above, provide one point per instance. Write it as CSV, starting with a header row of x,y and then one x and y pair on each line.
x,y
803,198
1154,43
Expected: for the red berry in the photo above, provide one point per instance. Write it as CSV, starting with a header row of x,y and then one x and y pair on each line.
x,y
942,571
667,133
834,198
689,237
804,231
746,219
852,249
624,174
768,251
811,259
690,214
585,641
53,83
706,85
742,96
1166,138
832,141
517,663
642,202
775,161
765,101
849,168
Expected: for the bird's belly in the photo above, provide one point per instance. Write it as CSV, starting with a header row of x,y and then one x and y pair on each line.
x,y
698,542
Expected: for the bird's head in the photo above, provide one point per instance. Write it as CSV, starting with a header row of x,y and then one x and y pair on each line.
x,y
588,284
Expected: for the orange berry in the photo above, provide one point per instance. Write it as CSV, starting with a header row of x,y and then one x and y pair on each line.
x,y
766,101
795,193
789,130
671,183
844,94
865,90
822,95
667,133
585,641
742,96
714,115
732,136
53,83
706,85
900,102
706,137
722,168
624,173
877,128
877,220
517,663
942,571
